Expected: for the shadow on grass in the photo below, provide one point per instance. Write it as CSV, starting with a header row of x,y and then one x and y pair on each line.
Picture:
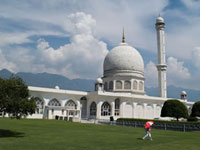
x,y
9,133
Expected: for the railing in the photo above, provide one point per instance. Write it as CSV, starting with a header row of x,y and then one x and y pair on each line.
x,y
161,125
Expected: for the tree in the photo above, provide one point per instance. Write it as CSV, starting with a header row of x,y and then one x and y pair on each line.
x,y
196,109
174,108
16,97
2,95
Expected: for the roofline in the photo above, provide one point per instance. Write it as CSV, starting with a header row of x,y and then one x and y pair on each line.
x,y
59,91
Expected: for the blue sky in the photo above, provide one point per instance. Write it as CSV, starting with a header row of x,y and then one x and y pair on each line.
x,y
72,37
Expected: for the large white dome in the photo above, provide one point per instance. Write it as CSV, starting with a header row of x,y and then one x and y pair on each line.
x,y
123,60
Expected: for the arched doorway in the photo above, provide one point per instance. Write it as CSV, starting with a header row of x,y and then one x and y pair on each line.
x,y
83,102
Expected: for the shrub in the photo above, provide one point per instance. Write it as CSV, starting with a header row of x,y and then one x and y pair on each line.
x,y
174,108
196,109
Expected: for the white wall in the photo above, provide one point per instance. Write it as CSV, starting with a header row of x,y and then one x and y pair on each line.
x,y
128,110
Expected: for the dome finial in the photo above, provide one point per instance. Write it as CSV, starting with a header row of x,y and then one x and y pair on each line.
x,y
159,19
123,37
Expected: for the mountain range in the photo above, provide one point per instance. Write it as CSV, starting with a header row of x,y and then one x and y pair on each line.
x,y
51,80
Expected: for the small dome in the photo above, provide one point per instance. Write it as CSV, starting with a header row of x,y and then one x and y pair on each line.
x,y
99,81
57,87
124,60
183,93
159,20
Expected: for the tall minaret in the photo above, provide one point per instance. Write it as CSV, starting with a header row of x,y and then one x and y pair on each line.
x,y
161,67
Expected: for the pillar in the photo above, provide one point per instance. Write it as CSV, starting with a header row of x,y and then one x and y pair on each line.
x,y
122,105
134,107
154,111
144,110
112,108
99,109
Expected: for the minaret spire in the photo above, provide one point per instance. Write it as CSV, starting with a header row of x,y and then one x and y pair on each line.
x,y
162,66
123,37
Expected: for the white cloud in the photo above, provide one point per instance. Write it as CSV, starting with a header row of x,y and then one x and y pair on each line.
x,y
81,58
196,57
192,4
14,38
180,40
151,75
176,73
176,70
131,16
111,17
6,64
182,29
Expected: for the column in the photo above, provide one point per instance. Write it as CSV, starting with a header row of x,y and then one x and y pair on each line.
x,y
154,111
144,110
50,114
46,116
134,107
113,108
79,107
122,109
99,110
68,114
114,85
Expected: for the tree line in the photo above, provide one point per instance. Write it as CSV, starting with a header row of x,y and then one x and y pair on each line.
x,y
15,99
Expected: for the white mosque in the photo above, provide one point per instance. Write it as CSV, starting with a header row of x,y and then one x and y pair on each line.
x,y
119,93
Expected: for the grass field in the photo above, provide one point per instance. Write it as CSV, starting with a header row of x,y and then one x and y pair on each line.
x,y
56,135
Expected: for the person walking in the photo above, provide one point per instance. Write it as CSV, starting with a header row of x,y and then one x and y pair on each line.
x,y
147,128
148,133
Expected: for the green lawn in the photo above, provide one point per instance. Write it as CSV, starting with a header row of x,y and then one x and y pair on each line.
x,y
56,135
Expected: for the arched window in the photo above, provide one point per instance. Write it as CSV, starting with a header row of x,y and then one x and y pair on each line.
x,y
127,85
40,105
105,109
117,107
118,85
70,104
54,102
135,85
93,109
141,87
111,85
106,86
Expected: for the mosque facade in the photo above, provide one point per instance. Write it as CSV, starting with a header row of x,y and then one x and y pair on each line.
x,y
119,93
